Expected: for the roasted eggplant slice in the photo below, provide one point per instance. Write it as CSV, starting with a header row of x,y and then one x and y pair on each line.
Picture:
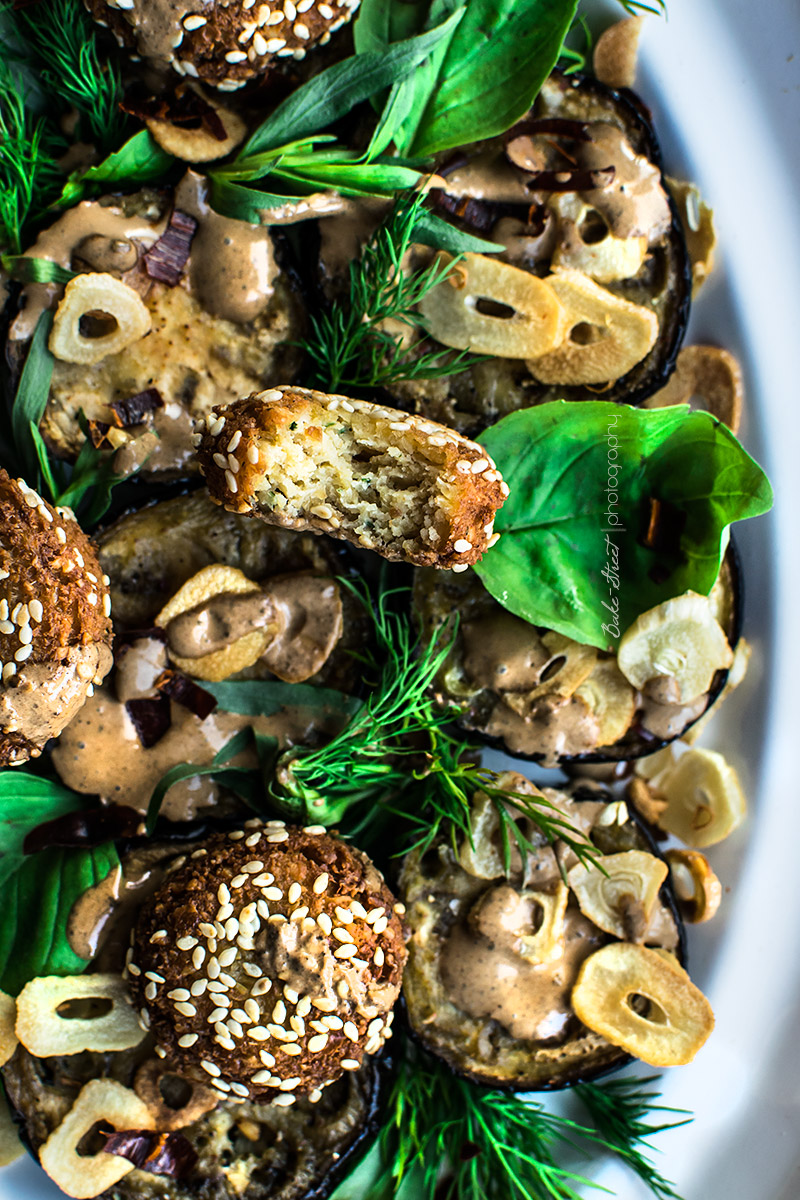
x,y
171,300
493,957
554,191
245,1150
540,696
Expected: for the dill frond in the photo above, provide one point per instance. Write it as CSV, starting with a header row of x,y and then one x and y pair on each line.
x,y
62,35
349,345
617,1109
28,169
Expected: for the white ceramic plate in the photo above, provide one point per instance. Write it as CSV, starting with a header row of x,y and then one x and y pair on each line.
x,y
723,78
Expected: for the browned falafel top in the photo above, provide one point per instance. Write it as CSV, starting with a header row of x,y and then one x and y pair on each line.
x,y
55,624
269,961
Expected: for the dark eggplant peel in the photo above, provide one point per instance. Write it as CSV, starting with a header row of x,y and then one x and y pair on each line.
x,y
540,695
575,194
189,1127
502,961
172,308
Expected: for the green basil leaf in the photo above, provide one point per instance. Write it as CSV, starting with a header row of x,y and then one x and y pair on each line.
x,y
139,160
583,479
263,698
37,900
27,801
359,178
496,62
338,89
31,398
432,230
25,269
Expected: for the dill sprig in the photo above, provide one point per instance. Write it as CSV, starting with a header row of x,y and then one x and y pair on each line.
x,y
28,149
350,345
492,1144
61,35
395,754
617,1109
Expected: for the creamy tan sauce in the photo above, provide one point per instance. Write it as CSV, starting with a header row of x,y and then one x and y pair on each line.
x,y
668,720
89,219
100,752
44,697
504,653
231,265
486,976
110,255
343,235
138,668
302,612
634,203
556,726
91,912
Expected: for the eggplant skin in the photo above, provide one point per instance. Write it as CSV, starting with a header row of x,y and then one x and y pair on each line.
x,y
302,1152
438,893
437,596
479,396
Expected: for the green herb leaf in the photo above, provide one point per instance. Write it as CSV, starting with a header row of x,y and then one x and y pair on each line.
x,y
338,89
139,160
40,889
432,230
587,481
25,269
233,199
263,698
29,173
617,1109
242,780
31,398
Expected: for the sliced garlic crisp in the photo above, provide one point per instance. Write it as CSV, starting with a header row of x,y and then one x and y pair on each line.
x,y
45,1031
619,892
529,321
118,311
637,999
606,259
705,801
697,888
547,942
680,639
480,856
607,336
611,700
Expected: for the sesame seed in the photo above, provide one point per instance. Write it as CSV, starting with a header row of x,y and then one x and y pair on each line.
x,y
6,627
459,568
178,994
252,970
260,47
150,991
349,1064
378,957
61,535
374,914
358,910
133,969
213,968
187,1040
275,19
23,653
282,1035
346,951
227,957
280,836
216,1014
325,11
273,893
304,5
234,1027
479,465
343,935
321,883
223,895
235,56
304,1006
234,463
234,442
227,979
36,610
186,1010
261,1077
252,868
380,925
207,930
160,1051
230,479
144,1018
262,908
279,1013
290,994
318,1026
267,1059
344,915
288,1085
210,1067
294,893
283,1101
199,987
493,540
333,1022
154,975
238,880
298,1025
220,1084
350,1031
253,839
317,1043
325,923
299,913
258,1033
504,488
261,987
400,909
221,461
324,1005
216,986
292,1049
252,450
198,957
347,406
289,10
275,44
462,546
231,930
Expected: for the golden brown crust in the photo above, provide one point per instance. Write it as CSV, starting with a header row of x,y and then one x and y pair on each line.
x,y
239,961
236,41
440,513
54,608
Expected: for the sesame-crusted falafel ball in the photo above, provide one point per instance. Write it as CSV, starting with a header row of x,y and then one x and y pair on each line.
x,y
55,626
269,962
223,42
